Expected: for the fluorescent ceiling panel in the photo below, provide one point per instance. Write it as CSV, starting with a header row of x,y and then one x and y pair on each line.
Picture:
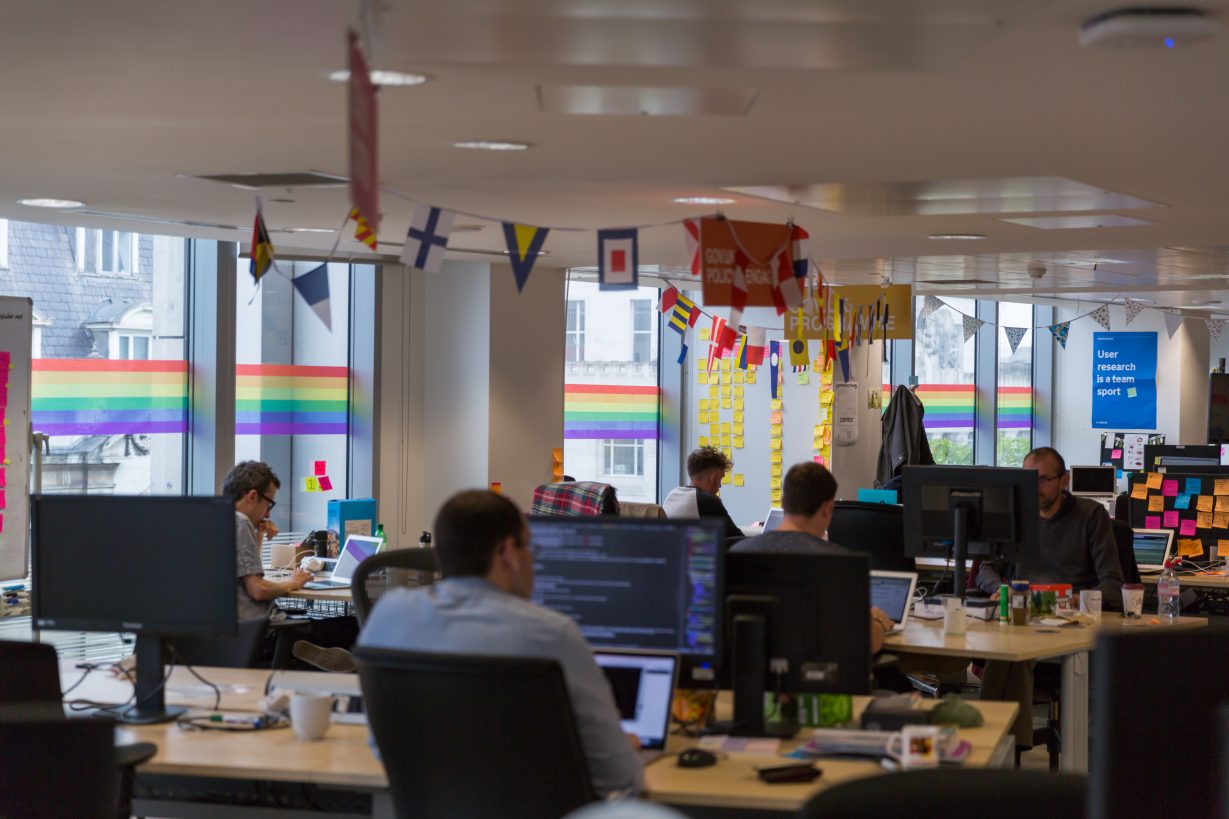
x,y
1092,220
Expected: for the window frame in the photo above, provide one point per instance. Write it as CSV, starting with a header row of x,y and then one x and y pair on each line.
x,y
610,445
642,308
574,348
91,239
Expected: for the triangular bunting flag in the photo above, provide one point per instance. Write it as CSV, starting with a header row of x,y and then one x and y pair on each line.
x,y
1014,336
524,244
262,246
755,346
971,325
843,357
683,314
929,305
313,286
683,353
691,227
1102,316
1215,328
1134,308
618,259
427,237
1172,322
1060,332
362,230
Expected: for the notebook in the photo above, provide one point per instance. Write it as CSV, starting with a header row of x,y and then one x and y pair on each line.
x,y
643,686
892,592
357,549
1152,548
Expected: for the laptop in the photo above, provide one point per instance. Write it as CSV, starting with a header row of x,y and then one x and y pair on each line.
x,y
1152,548
892,592
357,549
775,516
643,686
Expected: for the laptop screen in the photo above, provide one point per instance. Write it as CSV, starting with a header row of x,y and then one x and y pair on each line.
x,y
1150,547
775,516
890,593
643,686
357,549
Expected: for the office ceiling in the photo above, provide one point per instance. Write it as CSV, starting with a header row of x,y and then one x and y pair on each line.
x,y
891,120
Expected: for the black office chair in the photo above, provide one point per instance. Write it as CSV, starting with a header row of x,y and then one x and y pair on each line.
x,y
474,736
58,768
1124,539
242,650
943,793
30,689
875,529
388,570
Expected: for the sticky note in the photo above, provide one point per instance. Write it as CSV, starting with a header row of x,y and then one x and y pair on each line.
x,y
751,376
725,402
310,484
1189,547
1182,502
1156,503
702,377
1194,486
737,441
804,377
725,427
737,429
738,379
825,398
775,485
702,417
725,440
1140,491
321,468
775,444
326,485
1154,480
703,404
1169,488
738,403
1221,521
738,391
1131,392
776,404
774,430
725,390
738,416
729,453
1203,520
556,456
774,469
725,364
738,479
1187,527
1170,519
1222,486
1222,503
725,479
1152,522
714,428
704,334
774,458
1116,454
1204,503
774,418
713,392
703,441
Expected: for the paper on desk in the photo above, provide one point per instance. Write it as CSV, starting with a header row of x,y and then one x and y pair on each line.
x,y
741,745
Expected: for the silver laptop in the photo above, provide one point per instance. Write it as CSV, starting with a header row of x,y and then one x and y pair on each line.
x,y
357,549
1094,481
892,592
1152,548
775,515
643,685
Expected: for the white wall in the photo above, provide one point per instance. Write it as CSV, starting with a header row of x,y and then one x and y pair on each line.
x,y
854,466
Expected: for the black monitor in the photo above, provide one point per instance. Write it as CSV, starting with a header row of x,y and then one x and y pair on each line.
x,y
794,623
1159,456
155,566
875,529
957,511
636,583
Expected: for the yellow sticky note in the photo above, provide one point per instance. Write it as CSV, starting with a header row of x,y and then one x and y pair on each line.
x,y
725,364
703,404
725,440
702,417
775,443
1131,392
1222,547
738,416
738,402
774,483
729,453
725,390
703,440
1140,491
704,334
775,404
804,377
750,376
724,377
774,458
738,479
1156,503
738,379
1154,481
1222,486
713,391
725,427
775,497
725,479
774,430
738,390
774,470
725,402
714,429
701,377
737,429
1204,503
737,441
825,398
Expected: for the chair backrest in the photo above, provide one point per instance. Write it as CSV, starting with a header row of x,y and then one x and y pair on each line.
x,y
574,499
634,509
58,768
944,793
1124,539
242,650
30,681
474,736
388,570
875,529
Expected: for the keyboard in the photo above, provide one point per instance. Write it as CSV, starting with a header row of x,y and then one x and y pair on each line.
x,y
327,584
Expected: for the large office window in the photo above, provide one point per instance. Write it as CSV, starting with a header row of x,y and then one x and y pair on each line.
x,y
1014,404
611,393
945,367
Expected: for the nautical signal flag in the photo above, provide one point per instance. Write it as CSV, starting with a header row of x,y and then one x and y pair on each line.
x,y
313,286
524,244
740,352
755,346
427,237
684,314
669,297
798,354
362,230
618,259
262,247
774,365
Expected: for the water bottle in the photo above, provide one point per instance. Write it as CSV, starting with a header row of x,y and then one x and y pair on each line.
x,y
1167,591
383,540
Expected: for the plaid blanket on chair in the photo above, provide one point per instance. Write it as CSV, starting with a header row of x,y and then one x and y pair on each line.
x,y
574,499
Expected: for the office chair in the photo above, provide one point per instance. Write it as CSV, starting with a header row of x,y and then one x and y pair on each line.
x,y
58,768
387,570
942,793
30,689
474,736
875,529
242,650
634,509
1124,539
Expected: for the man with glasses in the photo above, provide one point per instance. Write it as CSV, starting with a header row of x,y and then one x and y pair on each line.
x,y
253,488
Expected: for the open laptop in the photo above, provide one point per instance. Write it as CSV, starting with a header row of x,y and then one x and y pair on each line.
x,y
1152,548
893,593
775,515
357,549
643,685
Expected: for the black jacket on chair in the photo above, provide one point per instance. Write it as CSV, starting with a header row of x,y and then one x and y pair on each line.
x,y
904,437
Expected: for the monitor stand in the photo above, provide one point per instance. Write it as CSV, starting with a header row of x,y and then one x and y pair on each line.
x,y
750,663
149,705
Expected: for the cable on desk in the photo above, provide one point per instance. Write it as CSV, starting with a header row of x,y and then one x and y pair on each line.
x,y
217,692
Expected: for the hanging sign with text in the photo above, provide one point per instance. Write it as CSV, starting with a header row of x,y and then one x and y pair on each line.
x,y
1124,380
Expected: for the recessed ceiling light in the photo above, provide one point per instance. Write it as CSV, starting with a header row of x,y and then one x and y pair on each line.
x,y
702,200
958,237
1204,302
310,230
490,145
383,78
51,203
540,252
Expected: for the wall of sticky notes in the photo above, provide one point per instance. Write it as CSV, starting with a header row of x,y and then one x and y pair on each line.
x,y
16,334
1194,505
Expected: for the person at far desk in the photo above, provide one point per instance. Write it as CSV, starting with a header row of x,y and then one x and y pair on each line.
x,y
1075,539
253,486
706,467
808,498
482,607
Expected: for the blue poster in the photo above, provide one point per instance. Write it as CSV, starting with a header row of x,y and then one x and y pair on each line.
x,y
1124,381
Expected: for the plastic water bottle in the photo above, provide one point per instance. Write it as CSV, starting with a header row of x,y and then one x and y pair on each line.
x,y
383,540
1167,591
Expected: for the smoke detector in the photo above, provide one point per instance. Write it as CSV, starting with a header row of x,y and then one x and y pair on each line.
x,y
1036,270
1145,27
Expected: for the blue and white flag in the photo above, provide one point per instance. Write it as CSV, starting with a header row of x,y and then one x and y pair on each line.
x,y
313,286
427,237
618,259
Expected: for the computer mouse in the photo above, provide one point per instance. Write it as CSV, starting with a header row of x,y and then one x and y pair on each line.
x,y
696,758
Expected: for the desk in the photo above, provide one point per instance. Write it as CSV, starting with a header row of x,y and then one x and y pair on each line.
x,y
1193,581
993,641
344,759
326,595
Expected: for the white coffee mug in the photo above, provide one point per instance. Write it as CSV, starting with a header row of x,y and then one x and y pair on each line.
x,y
916,746
955,618
1133,599
310,715
1090,602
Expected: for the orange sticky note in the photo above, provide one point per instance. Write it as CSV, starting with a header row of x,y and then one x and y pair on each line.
x,y
1222,547
1156,503
556,455
1140,491
1203,520
1222,503
1189,547
1222,486
1204,503
1154,480
1220,521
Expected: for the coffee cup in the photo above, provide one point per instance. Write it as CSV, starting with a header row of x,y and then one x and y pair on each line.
x,y
1133,599
916,746
955,617
310,715
1090,602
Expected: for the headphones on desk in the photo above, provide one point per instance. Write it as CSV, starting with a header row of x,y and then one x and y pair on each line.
x,y
312,564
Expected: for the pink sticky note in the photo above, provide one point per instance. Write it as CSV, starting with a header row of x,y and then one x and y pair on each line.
x,y
321,468
1,523
325,483
1188,528
2,493
1116,454
1171,519
1152,522
1169,489
3,478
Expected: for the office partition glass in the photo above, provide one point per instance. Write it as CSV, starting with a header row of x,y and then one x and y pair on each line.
x,y
945,365
1014,390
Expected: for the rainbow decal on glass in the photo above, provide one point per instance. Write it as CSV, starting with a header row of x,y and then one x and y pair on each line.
x,y
608,411
98,396
948,406
1015,408
289,399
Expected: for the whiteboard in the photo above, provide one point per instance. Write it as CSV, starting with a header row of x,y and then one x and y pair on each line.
x,y
16,335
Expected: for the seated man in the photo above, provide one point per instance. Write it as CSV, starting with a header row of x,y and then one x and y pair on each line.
x,y
808,498
706,467
482,607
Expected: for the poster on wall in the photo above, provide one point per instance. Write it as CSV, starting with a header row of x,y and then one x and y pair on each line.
x,y
1124,381
845,428
1125,450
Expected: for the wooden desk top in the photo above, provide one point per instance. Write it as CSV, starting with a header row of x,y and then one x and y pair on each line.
x,y
330,595
993,641
1194,581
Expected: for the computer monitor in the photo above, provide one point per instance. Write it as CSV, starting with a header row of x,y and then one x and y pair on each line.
x,y
155,566
955,511
794,623
636,583
875,529
1098,481
1157,456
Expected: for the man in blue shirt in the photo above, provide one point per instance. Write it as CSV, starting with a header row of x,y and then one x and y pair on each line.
x,y
482,607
